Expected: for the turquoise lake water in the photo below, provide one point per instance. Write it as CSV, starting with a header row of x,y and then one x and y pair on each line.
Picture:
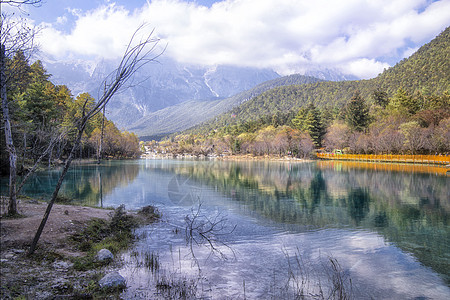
x,y
279,224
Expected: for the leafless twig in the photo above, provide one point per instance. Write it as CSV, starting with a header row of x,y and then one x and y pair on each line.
x,y
54,139
18,3
134,58
208,231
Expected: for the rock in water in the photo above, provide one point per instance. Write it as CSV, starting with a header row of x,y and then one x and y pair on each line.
x,y
104,255
113,279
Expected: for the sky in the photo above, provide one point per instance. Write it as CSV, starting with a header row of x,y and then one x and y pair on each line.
x,y
355,37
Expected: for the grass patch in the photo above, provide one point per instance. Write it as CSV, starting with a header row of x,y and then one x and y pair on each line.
x,y
46,256
176,288
96,292
114,235
86,263
96,231
115,243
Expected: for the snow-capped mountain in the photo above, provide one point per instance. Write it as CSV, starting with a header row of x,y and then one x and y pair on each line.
x,y
163,84
158,85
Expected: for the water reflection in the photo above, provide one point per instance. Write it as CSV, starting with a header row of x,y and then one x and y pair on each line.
x,y
408,209
370,216
86,184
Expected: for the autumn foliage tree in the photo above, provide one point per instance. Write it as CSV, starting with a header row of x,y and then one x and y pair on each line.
x,y
402,124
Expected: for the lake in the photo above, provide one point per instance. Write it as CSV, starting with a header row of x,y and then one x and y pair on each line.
x,y
267,229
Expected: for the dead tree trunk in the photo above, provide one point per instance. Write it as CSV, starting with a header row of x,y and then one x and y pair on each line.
x,y
101,137
56,191
135,57
12,206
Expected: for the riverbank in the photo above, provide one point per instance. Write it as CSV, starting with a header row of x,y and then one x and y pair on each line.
x,y
263,157
389,158
238,157
54,270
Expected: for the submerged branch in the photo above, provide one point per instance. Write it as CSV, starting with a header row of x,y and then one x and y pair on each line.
x,y
203,230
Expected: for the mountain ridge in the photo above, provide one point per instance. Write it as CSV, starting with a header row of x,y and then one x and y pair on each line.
x,y
428,68
158,85
163,84
190,113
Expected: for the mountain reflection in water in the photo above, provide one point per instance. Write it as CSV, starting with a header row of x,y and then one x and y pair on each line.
x,y
370,217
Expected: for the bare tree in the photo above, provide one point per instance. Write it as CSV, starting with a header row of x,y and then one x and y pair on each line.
x,y
337,136
100,144
413,136
305,145
54,139
19,3
15,36
135,57
12,207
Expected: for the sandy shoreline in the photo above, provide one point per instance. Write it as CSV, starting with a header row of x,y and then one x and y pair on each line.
x,y
63,221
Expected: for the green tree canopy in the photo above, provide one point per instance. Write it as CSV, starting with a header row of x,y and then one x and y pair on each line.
x,y
357,113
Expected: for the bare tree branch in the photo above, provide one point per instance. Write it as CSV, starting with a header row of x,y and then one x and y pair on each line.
x,y
22,2
15,35
135,57
203,230
53,140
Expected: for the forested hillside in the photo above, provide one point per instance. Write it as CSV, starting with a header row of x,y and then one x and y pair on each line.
x,y
182,116
406,109
426,71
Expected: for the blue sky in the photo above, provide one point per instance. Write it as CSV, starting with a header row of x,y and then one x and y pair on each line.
x,y
357,37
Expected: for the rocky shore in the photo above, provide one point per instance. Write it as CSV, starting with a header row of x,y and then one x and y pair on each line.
x,y
53,271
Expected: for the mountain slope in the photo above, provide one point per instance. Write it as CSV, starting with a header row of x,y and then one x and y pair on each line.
x,y
428,68
157,85
187,114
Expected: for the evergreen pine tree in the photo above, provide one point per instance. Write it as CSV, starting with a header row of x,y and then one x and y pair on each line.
x,y
309,120
405,103
357,114
380,98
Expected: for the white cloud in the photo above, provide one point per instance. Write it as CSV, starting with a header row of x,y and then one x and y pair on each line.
x,y
102,32
364,68
61,20
408,52
286,35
